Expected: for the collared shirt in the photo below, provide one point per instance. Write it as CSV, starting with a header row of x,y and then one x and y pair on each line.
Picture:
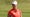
x,y
14,13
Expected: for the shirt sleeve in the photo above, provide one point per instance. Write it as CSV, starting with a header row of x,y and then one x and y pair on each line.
x,y
9,14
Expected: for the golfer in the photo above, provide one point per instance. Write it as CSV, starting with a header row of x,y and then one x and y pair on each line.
x,y
14,12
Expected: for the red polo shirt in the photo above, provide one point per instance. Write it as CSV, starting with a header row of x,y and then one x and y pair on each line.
x,y
14,13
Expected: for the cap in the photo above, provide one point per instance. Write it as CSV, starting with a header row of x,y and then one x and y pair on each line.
x,y
14,2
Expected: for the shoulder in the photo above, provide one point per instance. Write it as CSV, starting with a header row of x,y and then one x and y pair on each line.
x,y
19,10
9,11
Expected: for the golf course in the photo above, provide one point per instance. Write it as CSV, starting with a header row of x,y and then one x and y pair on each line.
x,y
23,5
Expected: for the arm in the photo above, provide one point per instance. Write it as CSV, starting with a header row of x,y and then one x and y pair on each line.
x,y
9,14
21,13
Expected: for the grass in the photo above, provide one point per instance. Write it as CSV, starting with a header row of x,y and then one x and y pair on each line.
x,y
25,7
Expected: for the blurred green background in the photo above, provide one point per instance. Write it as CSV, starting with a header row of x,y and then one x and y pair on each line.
x,y
24,5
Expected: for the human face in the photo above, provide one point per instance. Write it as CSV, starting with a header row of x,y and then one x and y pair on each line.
x,y
14,5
